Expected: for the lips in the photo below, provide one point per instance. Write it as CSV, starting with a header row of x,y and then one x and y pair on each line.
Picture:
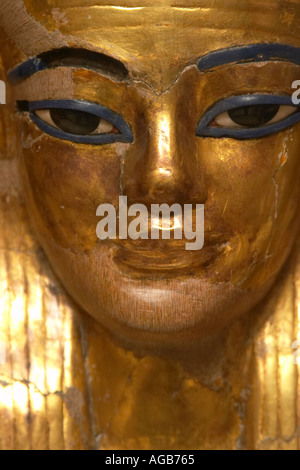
x,y
155,257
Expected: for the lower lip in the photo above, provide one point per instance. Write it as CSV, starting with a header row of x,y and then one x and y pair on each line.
x,y
164,261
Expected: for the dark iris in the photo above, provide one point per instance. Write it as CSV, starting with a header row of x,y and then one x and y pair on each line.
x,y
75,122
254,115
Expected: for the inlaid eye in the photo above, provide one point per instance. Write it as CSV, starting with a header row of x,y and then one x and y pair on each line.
x,y
82,122
248,117
253,116
76,122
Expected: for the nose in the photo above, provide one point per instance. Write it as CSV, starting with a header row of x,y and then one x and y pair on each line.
x,y
162,166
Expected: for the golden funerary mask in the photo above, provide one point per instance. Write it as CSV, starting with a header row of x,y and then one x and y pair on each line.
x,y
161,103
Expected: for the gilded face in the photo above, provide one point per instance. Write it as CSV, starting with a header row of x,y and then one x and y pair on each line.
x,y
162,104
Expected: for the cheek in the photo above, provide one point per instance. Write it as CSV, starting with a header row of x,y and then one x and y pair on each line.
x,y
246,180
287,191
253,188
65,183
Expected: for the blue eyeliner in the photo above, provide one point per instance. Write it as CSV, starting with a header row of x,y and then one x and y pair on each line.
x,y
124,135
238,54
69,57
250,53
205,130
25,70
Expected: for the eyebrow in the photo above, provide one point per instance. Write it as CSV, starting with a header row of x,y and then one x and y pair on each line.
x,y
69,57
87,59
250,53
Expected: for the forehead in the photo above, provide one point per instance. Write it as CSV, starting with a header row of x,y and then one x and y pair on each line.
x,y
156,39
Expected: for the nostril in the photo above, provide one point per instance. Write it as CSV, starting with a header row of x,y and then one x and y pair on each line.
x,y
165,184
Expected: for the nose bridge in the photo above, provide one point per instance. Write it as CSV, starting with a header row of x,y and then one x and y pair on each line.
x,y
162,156
160,165
162,174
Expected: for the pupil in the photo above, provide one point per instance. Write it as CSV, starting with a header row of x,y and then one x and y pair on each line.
x,y
254,115
75,122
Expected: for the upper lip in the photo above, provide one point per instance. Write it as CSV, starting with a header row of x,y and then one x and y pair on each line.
x,y
163,225
156,255
211,240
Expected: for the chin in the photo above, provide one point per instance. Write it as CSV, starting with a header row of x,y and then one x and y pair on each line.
x,y
164,312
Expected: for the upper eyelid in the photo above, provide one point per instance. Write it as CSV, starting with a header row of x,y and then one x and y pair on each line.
x,y
73,104
246,100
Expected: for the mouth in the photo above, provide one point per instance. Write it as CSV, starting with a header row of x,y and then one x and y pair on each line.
x,y
164,257
163,244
